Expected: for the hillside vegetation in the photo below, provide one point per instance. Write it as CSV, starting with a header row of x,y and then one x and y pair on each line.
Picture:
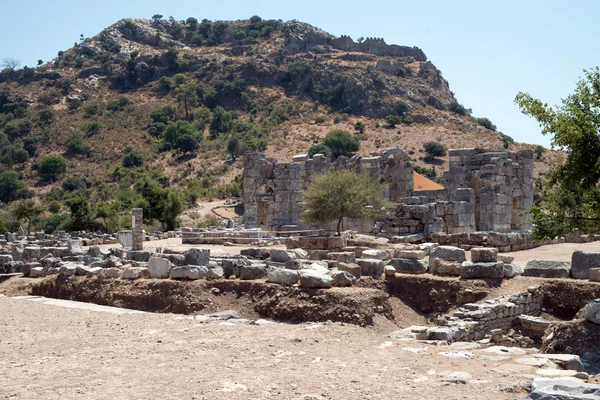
x,y
157,113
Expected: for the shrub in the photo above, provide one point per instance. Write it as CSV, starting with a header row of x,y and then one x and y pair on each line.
x,y
393,120
46,117
93,108
233,146
92,127
360,127
319,149
51,167
187,143
133,159
457,108
76,145
54,206
11,187
174,131
486,123
320,119
74,183
73,104
221,121
341,143
434,149
539,150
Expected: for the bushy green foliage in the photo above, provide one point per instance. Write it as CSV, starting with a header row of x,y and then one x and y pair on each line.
x,y
221,122
51,167
133,159
319,149
393,120
160,203
46,117
233,146
320,119
181,135
341,143
427,172
360,127
11,187
343,194
457,108
92,127
27,209
434,149
74,183
76,145
538,151
486,123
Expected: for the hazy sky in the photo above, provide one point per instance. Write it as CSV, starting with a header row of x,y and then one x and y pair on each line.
x,y
487,50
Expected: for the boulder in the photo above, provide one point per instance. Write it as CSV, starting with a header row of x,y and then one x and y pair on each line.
x,y
354,269
188,272
389,270
159,268
97,251
113,262
253,271
315,279
27,267
134,273
482,270
557,389
375,253
371,267
82,270
342,278
484,254
215,273
548,269
75,247
139,255
282,276
282,255
197,256
231,266
591,311
111,273
581,262
343,256
95,271
409,265
5,259
36,272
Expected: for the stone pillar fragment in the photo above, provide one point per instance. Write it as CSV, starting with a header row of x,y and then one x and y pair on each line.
x,y
137,229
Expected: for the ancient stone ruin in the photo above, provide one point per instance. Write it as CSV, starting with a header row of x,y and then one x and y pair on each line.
x,y
485,191
378,47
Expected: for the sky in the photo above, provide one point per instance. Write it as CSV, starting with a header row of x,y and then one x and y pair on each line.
x,y
487,50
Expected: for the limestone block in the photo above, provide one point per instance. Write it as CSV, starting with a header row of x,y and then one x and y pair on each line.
x,y
483,270
437,266
389,270
484,254
414,254
5,259
344,256
371,267
282,276
159,268
139,255
134,273
188,272
448,253
67,270
97,251
36,272
82,270
75,247
195,256
112,273
594,274
255,252
354,269
315,279
254,271
281,255
342,278
215,272
548,269
409,265
554,389
591,311
581,262
31,253
512,270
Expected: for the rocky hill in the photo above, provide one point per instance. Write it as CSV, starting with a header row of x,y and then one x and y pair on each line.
x,y
158,100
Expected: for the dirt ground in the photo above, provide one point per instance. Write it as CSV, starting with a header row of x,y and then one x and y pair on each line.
x,y
52,352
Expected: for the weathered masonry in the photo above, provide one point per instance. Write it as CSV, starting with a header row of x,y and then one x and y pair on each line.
x,y
484,190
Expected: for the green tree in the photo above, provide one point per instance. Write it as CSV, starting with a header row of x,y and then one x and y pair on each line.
x,y
27,210
46,117
11,187
187,143
319,149
176,130
233,146
360,127
343,194
341,143
160,203
538,151
434,149
571,194
51,167
486,123
82,215
186,96
133,159
221,121
457,108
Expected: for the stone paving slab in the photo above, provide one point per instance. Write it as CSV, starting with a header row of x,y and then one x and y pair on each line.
x,y
80,305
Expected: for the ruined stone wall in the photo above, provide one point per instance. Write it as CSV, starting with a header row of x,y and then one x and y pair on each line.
x,y
379,47
502,182
273,190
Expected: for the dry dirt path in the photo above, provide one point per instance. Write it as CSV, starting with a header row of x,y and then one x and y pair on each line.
x,y
51,352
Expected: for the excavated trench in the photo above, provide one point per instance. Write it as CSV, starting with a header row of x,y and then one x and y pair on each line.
x,y
425,295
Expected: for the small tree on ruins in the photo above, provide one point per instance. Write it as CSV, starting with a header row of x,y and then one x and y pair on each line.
x,y
27,209
344,194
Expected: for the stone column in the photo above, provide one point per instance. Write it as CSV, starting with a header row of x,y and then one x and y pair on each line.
x,y
137,229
